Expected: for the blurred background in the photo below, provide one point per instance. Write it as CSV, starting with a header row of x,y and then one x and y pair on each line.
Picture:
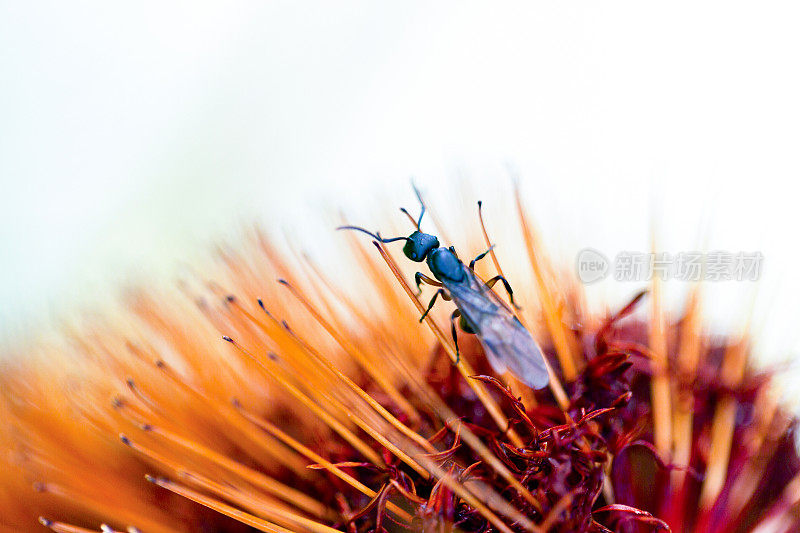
x,y
134,137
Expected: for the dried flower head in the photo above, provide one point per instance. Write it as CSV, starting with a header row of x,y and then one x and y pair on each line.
x,y
302,405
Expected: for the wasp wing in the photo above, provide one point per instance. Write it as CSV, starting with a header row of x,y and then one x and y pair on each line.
x,y
506,342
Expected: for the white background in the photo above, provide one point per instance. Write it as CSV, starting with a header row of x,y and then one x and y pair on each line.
x,y
133,137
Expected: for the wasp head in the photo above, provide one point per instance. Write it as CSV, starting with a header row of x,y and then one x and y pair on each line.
x,y
419,245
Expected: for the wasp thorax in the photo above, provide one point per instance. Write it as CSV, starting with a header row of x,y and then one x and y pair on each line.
x,y
445,265
419,245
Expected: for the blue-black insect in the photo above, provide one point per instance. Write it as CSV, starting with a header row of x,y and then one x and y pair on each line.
x,y
506,342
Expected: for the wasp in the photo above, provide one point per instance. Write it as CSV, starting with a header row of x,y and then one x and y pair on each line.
x,y
479,311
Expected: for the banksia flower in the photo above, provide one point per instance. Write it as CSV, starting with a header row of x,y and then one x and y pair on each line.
x,y
238,402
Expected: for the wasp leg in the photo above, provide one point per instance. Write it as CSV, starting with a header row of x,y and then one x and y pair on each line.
x,y
453,330
479,257
495,279
438,293
420,278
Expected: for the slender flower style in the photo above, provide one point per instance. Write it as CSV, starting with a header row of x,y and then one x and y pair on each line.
x,y
266,396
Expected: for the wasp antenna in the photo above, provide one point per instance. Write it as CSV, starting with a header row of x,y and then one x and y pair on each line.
x,y
362,230
421,203
395,239
376,236
416,191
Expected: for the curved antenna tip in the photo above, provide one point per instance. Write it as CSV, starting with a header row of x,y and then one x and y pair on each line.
x,y
376,236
